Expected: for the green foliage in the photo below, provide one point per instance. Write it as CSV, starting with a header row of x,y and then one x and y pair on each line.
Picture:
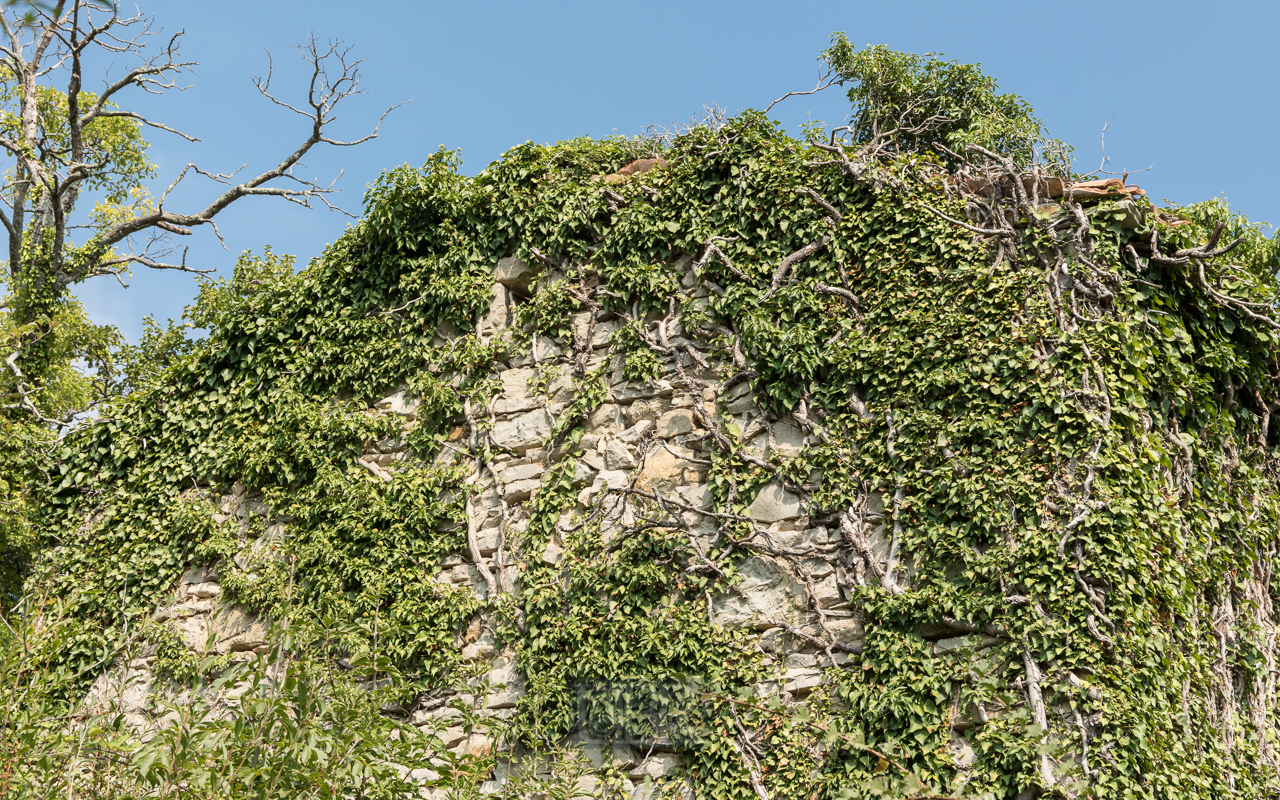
x,y
550,310
918,101
639,362
114,142
301,729
1021,449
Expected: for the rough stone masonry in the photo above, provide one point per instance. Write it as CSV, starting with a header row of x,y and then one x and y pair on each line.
x,y
646,437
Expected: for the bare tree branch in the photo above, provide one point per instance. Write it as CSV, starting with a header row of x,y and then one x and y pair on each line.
x,y
824,82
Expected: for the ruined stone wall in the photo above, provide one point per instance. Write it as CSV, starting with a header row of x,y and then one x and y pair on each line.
x,y
647,441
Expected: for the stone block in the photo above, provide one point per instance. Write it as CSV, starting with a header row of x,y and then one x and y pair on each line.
x,y
514,273
665,469
848,631
963,753
658,765
399,404
515,382
604,332
698,496
583,473
675,422
595,460
523,433
817,568
827,592
803,538
637,431
768,591
199,575
519,491
480,649
788,440
774,504
801,681
617,456
960,643
741,400
236,631
503,699
503,407
487,540
477,745
640,391
520,472
194,630
203,590
606,419
545,349
498,318
551,555
642,410
561,389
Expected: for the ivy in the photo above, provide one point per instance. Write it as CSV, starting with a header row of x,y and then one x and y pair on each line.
x,y
1037,475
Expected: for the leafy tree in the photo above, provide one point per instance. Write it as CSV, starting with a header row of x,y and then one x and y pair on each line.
x,y
74,206
907,102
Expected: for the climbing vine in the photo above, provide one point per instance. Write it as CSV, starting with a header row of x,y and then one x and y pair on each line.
x,y
1038,415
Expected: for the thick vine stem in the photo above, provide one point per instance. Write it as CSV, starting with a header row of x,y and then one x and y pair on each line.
x,y
711,249
1036,701
787,263
831,210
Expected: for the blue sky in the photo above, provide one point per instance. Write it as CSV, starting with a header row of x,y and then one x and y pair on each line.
x,y
1190,89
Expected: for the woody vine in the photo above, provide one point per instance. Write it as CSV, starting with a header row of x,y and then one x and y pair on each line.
x,y
1048,397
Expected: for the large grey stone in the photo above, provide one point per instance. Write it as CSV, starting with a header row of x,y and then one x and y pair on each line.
x,y
398,404
514,273
614,479
768,592
848,631
515,382
604,332
640,391
658,765
519,491
636,432
649,409
202,590
960,643
676,422
551,555
774,504
788,440
605,419
583,473
698,496
524,432
801,681
498,317
665,469
617,456
236,631
520,472
561,388
487,540
544,349
502,407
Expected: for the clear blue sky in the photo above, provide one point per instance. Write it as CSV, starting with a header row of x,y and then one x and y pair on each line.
x,y
1191,86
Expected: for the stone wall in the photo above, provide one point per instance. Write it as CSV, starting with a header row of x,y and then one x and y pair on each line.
x,y
649,439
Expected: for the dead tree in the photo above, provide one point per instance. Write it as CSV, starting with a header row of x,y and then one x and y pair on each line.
x,y
65,142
